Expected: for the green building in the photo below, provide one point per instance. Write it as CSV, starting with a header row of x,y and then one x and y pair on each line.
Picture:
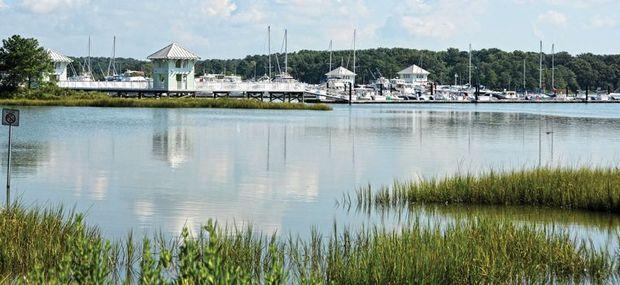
x,y
173,69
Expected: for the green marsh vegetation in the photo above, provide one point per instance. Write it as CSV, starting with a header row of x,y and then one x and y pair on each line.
x,y
56,247
586,189
53,96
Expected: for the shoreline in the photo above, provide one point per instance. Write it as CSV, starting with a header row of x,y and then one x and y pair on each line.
x,y
163,103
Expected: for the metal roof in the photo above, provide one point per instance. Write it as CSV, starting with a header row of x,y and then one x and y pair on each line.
x,y
414,69
57,57
340,71
173,51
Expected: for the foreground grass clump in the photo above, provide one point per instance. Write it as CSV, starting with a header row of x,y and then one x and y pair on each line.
x,y
58,97
474,252
51,240
566,188
52,248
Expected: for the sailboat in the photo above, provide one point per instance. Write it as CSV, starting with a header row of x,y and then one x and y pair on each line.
x,y
86,74
285,77
112,75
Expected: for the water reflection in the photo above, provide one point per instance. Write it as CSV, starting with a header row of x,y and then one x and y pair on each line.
x,y
26,156
161,169
602,229
171,144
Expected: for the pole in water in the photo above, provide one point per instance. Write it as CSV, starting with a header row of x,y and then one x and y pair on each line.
x,y
10,118
539,140
8,172
350,92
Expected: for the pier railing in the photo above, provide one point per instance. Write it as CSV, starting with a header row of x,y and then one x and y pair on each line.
x,y
250,87
200,86
106,85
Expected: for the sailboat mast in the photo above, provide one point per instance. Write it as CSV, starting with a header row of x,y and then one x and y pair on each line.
x,y
89,66
269,48
330,54
540,70
553,67
524,75
285,51
114,56
469,68
112,63
354,35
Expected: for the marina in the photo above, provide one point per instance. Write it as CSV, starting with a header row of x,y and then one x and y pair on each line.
x,y
174,75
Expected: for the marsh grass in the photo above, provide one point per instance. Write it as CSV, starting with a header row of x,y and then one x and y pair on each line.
x,y
165,103
54,247
51,96
588,189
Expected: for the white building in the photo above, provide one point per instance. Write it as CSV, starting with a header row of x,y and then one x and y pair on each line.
x,y
60,65
341,74
173,68
414,74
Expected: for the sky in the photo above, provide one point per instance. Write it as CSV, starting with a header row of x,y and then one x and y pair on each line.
x,y
236,28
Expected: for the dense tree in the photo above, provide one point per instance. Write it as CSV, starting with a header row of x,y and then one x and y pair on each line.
x,y
496,69
22,62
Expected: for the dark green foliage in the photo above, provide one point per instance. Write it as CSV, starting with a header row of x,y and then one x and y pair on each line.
x,y
22,62
498,69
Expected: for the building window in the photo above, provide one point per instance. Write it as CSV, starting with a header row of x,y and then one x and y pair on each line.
x,y
179,63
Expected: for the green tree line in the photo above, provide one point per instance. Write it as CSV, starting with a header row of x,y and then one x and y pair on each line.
x,y
493,68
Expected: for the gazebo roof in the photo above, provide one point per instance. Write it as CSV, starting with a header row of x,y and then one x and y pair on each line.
x,y
414,69
173,51
58,57
340,71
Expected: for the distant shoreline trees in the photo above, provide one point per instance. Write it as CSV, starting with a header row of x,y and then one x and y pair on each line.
x,y
23,63
497,69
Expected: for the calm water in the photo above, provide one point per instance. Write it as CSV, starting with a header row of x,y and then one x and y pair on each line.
x,y
156,169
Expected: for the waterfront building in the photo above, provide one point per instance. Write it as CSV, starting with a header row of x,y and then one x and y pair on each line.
x,y
341,74
60,65
414,74
173,68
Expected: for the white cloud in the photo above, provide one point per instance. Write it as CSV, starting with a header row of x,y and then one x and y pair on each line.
x,y
2,4
439,19
549,21
572,3
554,18
601,22
253,14
49,6
219,8
325,9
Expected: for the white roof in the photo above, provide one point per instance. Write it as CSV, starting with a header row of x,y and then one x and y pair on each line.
x,y
414,69
57,57
173,51
340,71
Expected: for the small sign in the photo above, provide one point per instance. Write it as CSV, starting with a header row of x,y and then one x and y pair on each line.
x,y
10,117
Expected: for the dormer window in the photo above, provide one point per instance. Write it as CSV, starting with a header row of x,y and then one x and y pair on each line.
x,y
179,63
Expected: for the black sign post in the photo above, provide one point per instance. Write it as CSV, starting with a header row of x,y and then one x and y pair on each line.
x,y
9,118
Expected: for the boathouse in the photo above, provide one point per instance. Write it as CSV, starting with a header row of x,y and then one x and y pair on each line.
x,y
173,68
341,74
60,65
414,74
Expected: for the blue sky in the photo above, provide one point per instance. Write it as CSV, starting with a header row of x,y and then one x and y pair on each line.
x,y
235,28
